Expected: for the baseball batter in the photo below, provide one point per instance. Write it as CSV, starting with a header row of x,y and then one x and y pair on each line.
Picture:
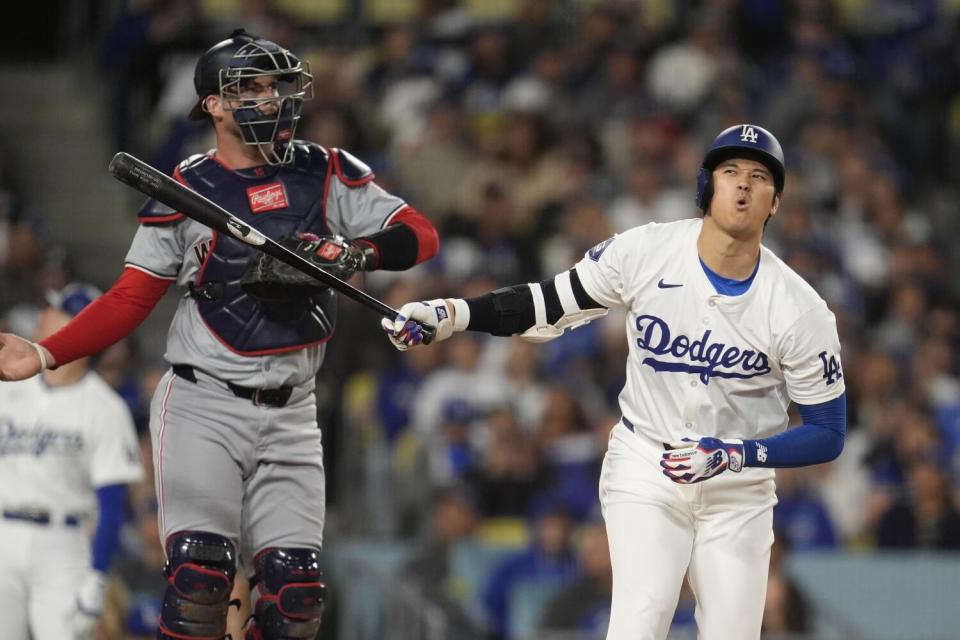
x,y
68,449
722,337
237,451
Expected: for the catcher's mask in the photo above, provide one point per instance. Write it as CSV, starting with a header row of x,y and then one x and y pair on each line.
x,y
263,84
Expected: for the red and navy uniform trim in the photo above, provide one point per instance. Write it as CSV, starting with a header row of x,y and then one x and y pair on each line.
x,y
109,318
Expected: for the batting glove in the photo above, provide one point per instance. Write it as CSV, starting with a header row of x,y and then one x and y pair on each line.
x,y
407,329
694,461
89,605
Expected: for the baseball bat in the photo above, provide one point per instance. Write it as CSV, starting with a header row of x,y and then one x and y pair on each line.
x,y
156,184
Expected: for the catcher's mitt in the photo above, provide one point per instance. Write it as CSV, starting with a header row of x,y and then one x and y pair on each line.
x,y
270,280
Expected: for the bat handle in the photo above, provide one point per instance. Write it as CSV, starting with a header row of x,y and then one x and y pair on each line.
x,y
429,333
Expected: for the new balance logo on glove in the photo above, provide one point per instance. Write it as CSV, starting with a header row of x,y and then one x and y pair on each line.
x,y
694,461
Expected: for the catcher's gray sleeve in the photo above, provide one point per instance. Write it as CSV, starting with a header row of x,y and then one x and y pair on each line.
x,y
359,211
157,250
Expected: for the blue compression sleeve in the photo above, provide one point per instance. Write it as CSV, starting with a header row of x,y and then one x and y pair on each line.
x,y
819,439
112,500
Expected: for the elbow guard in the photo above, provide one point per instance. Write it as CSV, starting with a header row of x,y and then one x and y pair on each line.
x,y
539,312
549,294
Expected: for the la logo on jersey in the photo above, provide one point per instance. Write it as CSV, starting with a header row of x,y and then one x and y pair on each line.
x,y
702,355
831,368
748,134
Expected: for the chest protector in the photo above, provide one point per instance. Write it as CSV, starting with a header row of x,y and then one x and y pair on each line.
x,y
277,201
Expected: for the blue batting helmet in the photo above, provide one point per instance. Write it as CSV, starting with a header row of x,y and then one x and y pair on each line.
x,y
740,141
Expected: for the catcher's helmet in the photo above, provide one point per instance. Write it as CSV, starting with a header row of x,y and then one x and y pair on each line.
x,y
740,141
227,68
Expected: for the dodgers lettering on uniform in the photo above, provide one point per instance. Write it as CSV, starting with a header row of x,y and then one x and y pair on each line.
x,y
718,360
38,440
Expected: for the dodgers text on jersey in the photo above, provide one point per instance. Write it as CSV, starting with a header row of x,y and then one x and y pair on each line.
x,y
700,355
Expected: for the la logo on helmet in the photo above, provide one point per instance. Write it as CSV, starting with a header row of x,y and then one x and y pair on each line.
x,y
747,134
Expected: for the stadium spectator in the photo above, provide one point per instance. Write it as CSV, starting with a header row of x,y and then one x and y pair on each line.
x,y
548,561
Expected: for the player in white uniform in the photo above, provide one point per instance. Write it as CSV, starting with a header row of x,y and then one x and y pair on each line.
x,y
722,337
68,449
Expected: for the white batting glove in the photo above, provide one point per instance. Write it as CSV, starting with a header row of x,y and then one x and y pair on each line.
x,y
694,461
407,329
89,605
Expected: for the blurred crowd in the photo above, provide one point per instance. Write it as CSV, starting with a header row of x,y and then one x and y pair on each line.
x,y
527,139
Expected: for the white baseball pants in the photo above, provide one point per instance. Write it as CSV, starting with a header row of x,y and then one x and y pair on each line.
x,y
719,531
40,570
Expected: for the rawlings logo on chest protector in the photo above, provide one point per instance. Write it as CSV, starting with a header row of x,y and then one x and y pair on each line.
x,y
267,197
701,355
242,324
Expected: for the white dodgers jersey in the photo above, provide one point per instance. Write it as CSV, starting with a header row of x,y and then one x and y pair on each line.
x,y
705,364
59,444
